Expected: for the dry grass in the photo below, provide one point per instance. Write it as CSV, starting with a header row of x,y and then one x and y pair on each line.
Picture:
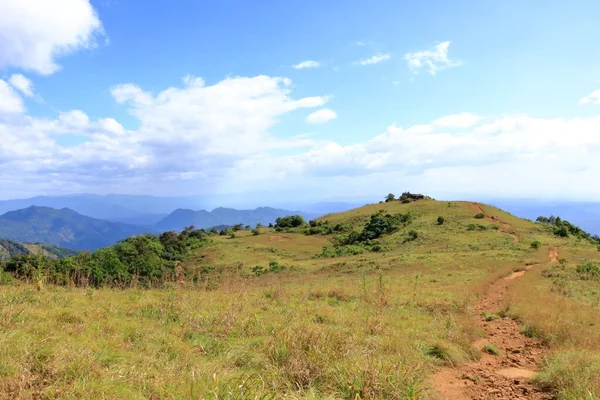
x,y
370,326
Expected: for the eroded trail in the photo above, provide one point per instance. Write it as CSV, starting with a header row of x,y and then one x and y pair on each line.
x,y
507,374
504,227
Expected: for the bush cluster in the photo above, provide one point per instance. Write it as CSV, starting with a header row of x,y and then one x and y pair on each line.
x,y
326,228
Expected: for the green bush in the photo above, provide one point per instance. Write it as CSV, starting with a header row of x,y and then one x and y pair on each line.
x,y
480,216
291,221
440,220
536,244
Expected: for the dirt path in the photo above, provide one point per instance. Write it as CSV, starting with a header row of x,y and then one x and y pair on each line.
x,y
504,227
506,375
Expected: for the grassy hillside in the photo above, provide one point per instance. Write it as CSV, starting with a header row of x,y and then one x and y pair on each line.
x,y
10,248
63,227
283,314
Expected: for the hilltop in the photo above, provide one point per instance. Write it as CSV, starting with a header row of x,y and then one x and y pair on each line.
x,y
399,300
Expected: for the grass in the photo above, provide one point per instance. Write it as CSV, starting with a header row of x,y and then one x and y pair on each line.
x,y
368,326
491,349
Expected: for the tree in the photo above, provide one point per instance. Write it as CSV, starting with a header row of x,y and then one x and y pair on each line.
x,y
390,197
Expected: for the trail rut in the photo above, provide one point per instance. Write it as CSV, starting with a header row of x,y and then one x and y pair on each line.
x,y
504,227
506,375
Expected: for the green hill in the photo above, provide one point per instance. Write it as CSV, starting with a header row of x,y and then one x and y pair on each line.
x,y
417,300
63,227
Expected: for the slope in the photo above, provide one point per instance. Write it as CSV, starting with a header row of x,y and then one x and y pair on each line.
x,y
294,313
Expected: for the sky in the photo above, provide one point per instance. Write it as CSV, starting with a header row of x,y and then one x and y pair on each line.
x,y
300,99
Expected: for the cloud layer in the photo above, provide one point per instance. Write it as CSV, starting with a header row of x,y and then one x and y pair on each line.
x,y
199,138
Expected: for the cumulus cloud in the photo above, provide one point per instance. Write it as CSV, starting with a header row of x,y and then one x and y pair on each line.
x,y
10,101
592,98
307,64
21,83
377,58
194,131
321,116
34,33
432,60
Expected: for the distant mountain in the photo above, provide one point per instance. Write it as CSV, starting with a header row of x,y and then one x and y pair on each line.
x,y
131,209
147,210
10,248
64,227
182,218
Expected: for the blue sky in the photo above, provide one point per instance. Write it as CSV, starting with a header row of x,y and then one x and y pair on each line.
x,y
495,98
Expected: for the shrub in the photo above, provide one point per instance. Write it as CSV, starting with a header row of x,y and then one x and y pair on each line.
x,y
412,235
291,221
480,216
440,220
255,232
390,197
536,244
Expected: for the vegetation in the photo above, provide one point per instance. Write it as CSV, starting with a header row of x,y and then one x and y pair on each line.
x,y
271,316
145,260
564,228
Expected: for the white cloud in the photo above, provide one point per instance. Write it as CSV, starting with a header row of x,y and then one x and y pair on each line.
x,y
34,33
433,60
307,64
321,116
377,58
593,98
462,120
200,138
22,83
10,101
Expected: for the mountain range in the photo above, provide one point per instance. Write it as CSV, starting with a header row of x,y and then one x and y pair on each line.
x,y
67,228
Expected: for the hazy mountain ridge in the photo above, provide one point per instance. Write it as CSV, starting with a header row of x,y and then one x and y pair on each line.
x,y
203,219
64,227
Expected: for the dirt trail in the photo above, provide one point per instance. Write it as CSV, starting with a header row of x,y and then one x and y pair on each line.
x,y
504,226
506,375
